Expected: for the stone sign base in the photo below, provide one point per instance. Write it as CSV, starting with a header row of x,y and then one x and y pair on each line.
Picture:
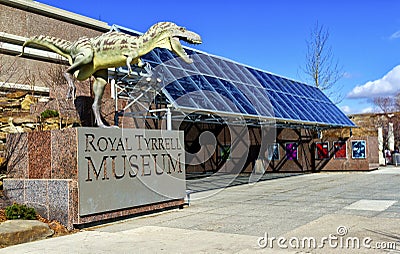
x,y
75,177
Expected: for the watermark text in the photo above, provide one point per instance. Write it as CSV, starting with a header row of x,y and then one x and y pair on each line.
x,y
340,240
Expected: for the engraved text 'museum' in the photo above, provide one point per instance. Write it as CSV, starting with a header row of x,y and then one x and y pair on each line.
x,y
131,167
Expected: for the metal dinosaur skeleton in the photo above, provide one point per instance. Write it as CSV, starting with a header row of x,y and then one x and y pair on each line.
x,y
93,56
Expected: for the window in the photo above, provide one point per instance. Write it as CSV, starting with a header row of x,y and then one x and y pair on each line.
x,y
358,149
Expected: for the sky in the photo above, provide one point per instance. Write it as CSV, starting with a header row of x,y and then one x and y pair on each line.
x,y
272,36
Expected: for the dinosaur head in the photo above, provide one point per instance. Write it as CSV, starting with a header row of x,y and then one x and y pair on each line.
x,y
171,35
187,36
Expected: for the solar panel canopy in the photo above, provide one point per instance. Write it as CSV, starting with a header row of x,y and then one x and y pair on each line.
x,y
223,87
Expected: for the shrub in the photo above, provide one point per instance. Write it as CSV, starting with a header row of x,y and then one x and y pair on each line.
x,y
20,212
49,113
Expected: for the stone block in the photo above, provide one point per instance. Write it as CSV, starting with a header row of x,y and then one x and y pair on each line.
x,y
21,231
39,150
36,195
58,200
64,154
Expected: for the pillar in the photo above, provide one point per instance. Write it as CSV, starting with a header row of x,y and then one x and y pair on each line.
x,y
391,137
380,147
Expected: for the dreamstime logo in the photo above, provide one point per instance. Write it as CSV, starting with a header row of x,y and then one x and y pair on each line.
x,y
342,230
340,240
205,103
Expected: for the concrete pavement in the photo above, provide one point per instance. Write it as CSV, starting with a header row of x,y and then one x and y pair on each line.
x,y
324,213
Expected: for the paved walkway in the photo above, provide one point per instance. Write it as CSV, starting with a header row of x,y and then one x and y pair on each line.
x,y
330,210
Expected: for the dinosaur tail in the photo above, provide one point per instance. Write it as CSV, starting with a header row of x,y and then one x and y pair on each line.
x,y
59,46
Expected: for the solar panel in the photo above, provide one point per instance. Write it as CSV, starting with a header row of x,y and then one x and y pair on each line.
x,y
219,85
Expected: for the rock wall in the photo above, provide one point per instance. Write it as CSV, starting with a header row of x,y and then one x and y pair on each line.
x,y
21,112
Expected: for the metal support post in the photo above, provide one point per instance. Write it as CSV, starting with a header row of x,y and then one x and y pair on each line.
x,y
169,118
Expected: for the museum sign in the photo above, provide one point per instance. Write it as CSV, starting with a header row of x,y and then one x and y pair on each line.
x,y
125,168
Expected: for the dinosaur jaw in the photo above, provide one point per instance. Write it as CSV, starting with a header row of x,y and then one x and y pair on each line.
x,y
176,46
191,37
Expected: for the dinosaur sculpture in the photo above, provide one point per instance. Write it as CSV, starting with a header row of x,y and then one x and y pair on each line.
x,y
93,56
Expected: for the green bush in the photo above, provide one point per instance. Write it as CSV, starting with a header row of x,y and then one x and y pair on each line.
x,y
20,212
49,113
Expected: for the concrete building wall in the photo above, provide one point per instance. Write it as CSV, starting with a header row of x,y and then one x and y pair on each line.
x,y
21,19
28,18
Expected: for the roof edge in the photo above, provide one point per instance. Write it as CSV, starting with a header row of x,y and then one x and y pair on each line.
x,y
54,12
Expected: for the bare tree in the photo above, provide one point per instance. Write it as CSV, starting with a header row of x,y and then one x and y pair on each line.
x,y
53,77
321,68
397,102
385,104
387,108
8,71
14,153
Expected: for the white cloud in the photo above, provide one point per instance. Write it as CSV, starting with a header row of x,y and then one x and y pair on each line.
x,y
351,110
386,86
346,109
347,75
368,110
395,35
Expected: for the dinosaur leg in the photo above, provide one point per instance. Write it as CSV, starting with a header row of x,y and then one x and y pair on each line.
x,y
80,60
98,89
80,57
128,64
71,85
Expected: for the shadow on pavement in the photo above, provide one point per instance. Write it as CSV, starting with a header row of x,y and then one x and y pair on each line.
x,y
212,181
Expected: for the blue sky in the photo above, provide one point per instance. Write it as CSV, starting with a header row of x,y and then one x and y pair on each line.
x,y
271,35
